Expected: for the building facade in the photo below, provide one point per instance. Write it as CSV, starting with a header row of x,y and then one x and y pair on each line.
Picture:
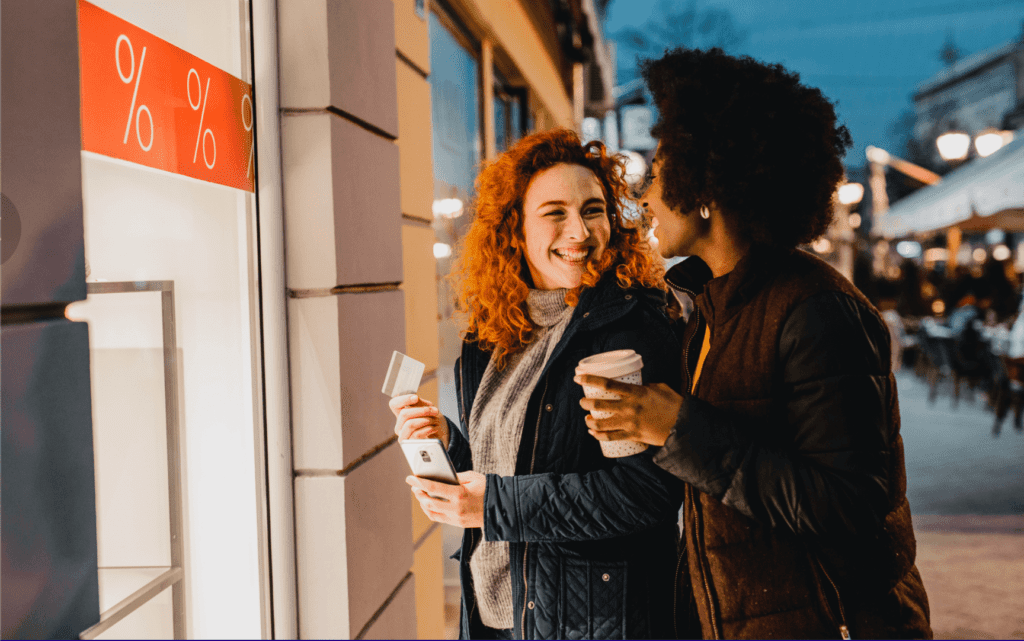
x,y
219,220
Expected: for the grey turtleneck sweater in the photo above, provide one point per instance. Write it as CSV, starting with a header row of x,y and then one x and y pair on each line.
x,y
495,429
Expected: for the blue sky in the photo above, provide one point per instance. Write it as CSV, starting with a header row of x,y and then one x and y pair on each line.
x,y
867,56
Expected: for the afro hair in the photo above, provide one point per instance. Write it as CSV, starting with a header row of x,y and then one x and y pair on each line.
x,y
748,137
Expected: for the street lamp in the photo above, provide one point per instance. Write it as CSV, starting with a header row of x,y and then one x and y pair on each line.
x,y
990,141
850,193
953,145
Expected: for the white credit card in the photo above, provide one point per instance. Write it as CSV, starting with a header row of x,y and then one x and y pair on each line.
x,y
404,375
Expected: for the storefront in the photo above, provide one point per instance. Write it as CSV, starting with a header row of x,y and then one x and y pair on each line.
x,y
179,274
220,217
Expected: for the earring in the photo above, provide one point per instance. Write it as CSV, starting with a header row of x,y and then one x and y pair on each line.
x,y
705,213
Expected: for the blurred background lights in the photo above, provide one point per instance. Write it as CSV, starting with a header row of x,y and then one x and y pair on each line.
x,y
854,221
636,168
442,250
851,193
995,236
936,255
990,141
953,145
877,155
822,245
447,208
1001,252
978,254
908,248
938,306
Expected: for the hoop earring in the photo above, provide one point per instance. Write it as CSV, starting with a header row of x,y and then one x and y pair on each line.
x,y
705,213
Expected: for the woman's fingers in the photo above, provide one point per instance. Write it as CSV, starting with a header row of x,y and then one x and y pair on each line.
x,y
397,403
430,431
612,435
418,411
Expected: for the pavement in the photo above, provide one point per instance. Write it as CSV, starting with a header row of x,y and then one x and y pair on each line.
x,y
966,492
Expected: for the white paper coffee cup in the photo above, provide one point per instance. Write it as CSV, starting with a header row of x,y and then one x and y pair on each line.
x,y
621,365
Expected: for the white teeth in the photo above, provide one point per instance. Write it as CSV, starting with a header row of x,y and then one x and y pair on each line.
x,y
573,255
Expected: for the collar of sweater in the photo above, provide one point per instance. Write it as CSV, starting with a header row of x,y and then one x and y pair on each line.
x,y
546,306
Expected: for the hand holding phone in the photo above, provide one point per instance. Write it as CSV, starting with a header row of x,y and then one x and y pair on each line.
x,y
428,459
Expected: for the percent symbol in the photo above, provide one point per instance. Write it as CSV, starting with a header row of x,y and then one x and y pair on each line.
x,y
247,123
127,79
201,136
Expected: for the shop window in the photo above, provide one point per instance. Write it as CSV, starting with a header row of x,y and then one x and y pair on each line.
x,y
173,310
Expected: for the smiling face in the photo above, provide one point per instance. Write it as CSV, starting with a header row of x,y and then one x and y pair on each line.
x,y
565,224
675,232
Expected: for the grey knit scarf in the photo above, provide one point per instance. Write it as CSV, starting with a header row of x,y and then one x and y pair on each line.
x,y
495,429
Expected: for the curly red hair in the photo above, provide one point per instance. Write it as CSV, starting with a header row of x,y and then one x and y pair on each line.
x,y
490,273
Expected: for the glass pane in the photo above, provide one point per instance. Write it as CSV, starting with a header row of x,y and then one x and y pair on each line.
x,y
515,119
169,206
500,124
454,86
153,620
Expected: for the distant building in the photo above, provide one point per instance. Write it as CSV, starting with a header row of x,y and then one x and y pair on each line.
x,y
984,91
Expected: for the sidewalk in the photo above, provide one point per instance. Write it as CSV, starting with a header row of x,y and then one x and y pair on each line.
x,y
973,570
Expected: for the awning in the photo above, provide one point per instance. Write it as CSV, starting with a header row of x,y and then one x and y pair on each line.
x,y
986,193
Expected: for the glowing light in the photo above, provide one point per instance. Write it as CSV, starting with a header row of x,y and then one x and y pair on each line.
x,y
938,306
1001,252
442,250
991,141
447,208
953,145
936,255
822,245
908,248
854,221
978,255
877,155
636,167
851,193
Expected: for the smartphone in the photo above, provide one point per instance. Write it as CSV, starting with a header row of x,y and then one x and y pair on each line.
x,y
429,460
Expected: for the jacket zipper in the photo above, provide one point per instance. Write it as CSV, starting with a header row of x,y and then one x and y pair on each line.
x,y
686,348
844,631
698,535
675,594
526,546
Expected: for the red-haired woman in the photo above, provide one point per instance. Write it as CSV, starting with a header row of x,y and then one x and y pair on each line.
x,y
560,541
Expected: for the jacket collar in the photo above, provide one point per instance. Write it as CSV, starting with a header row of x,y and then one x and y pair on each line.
x,y
721,298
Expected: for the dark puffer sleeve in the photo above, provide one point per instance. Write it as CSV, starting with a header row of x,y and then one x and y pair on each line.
x,y
831,474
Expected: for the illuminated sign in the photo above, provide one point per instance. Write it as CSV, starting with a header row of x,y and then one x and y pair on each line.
x,y
148,102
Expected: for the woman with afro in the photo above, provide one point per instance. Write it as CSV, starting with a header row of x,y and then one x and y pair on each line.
x,y
786,426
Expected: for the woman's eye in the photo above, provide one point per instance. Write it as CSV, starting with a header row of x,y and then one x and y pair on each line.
x,y
594,212
555,212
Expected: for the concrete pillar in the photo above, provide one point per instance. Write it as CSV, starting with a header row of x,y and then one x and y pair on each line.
x,y
418,283
344,272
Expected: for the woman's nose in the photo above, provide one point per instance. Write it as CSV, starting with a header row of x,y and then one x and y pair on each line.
x,y
576,227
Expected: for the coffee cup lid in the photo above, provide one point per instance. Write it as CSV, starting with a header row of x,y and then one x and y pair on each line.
x,y
611,364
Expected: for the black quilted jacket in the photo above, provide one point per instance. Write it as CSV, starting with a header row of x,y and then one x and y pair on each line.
x,y
592,539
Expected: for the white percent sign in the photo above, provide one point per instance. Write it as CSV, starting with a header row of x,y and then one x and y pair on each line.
x,y
248,127
201,136
127,79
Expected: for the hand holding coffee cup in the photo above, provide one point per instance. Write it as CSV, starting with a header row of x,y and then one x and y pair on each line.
x,y
624,366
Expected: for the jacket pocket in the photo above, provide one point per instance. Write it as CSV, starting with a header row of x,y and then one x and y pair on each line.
x,y
592,603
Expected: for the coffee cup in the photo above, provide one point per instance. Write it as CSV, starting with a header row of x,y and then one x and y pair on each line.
x,y
621,365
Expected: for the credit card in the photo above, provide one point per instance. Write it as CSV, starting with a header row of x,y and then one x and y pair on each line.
x,y
404,375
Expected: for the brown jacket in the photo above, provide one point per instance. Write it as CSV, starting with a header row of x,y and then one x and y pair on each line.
x,y
796,522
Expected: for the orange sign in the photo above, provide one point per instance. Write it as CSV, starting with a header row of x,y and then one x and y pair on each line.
x,y
148,102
